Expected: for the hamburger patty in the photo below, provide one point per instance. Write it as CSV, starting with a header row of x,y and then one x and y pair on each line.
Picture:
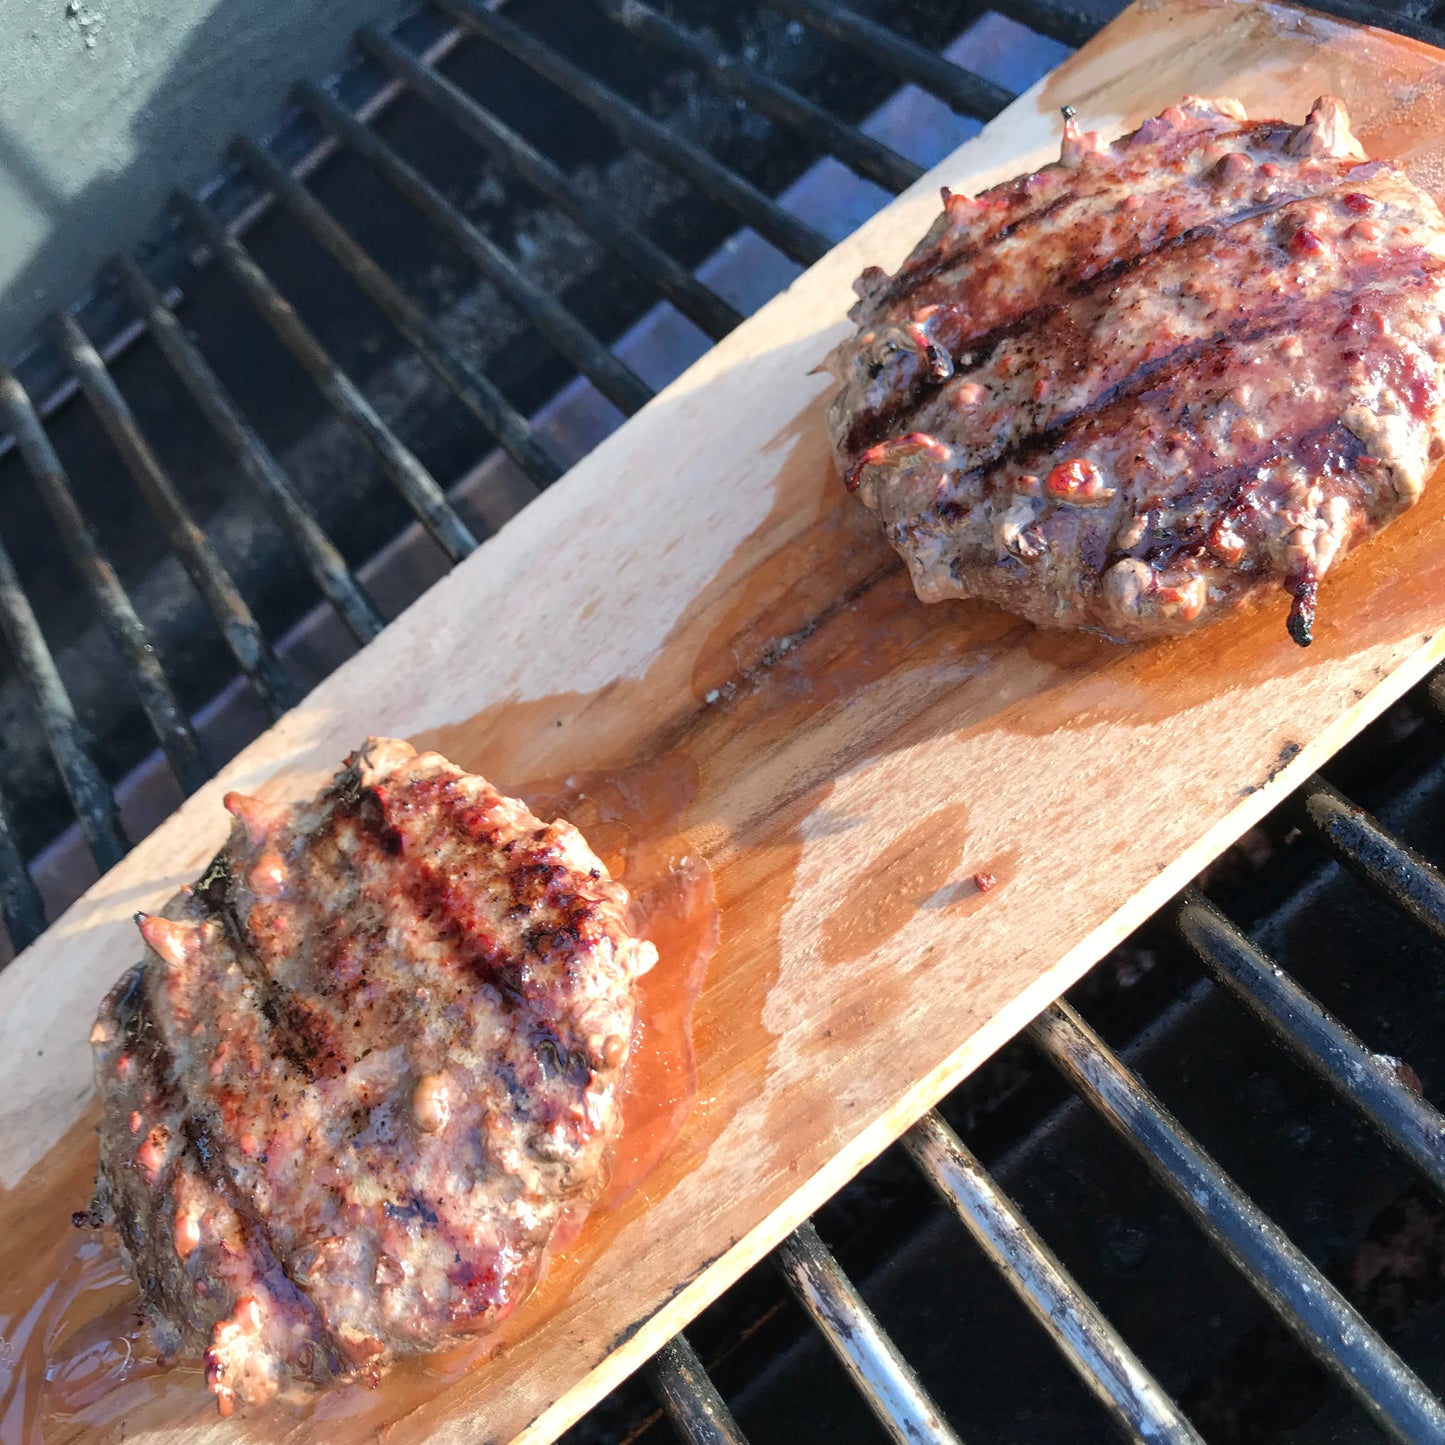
x,y
371,1060
1138,387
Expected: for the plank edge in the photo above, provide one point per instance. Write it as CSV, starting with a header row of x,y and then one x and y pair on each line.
x,y
675,1315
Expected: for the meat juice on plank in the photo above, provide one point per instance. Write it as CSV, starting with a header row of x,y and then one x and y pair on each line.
x,y
1149,383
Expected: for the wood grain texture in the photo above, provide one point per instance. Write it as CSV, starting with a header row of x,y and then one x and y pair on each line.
x,y
849,784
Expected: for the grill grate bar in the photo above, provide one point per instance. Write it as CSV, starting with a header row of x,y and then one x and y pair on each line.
x,y
883,1377
1087,1340
633,127
963,91
1058,22
503,421
215,584
417,486
697,302
1390,867
90,794
1325,1322
615,380
127,632
326,565
861,153
21,907
1368,1082
1435,690
698,1413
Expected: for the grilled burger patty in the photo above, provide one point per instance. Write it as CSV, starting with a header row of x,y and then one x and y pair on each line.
x,y
370,1061
1143,384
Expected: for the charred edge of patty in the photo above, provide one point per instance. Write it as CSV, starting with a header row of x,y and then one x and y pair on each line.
x,y
140,1036
345,788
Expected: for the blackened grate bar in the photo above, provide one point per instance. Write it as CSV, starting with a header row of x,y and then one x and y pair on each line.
x,y
1370,1083
1090,1343
596,217
90,794
248,645
968,94
20,903
327,566
698,1413
1324,1321
613,378
1396,872
867,157
417,485
510,428
882,1376
1060,22
166,716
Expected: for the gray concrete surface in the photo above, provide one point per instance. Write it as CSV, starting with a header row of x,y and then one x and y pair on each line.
x,y
105,105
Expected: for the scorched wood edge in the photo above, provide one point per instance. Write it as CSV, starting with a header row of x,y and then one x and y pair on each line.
x,y
848,787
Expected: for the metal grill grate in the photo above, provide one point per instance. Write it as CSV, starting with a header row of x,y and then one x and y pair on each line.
x,y
149,376
425,62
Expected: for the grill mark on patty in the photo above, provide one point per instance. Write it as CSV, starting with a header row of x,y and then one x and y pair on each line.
x,y
1260,325
1164,381
427,892
1226,489
302,1035
1330,449
533,877
1080,243
1369,271
439,900
434,897
269,1266
142,1039
907,282
974,351
1178,143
